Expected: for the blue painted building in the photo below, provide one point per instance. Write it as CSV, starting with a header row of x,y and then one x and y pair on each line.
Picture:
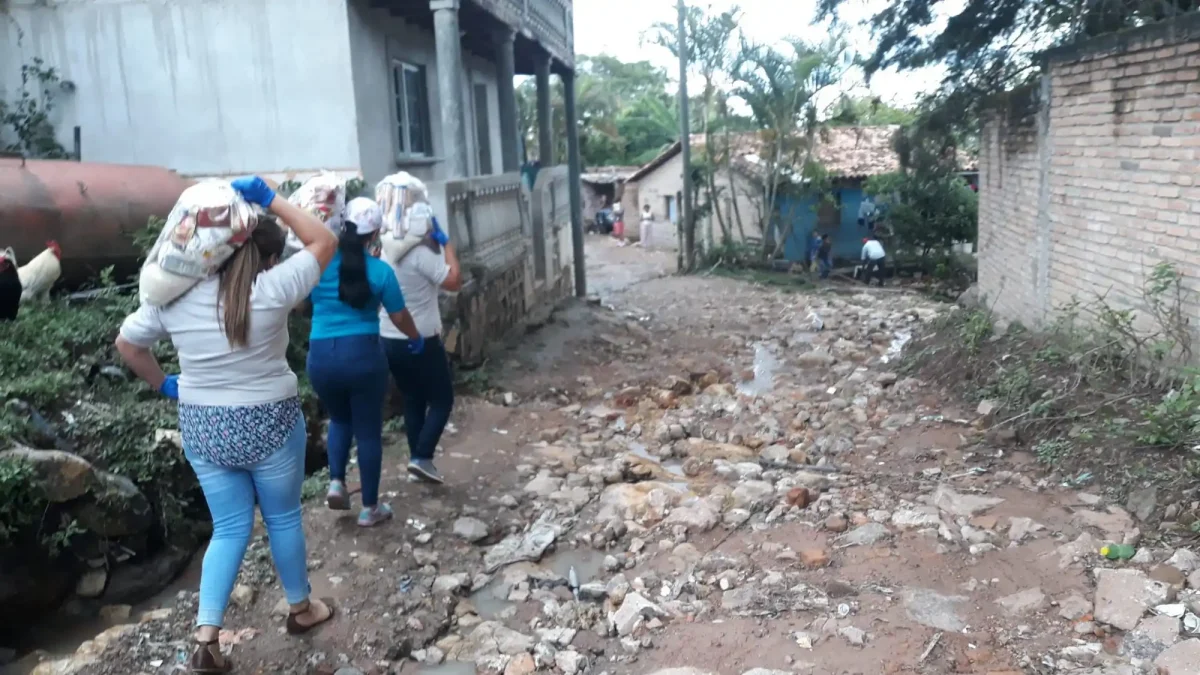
x,y
851,156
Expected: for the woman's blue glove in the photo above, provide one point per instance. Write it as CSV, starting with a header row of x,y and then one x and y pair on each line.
x,y
439,235
254,190
170,387
416,346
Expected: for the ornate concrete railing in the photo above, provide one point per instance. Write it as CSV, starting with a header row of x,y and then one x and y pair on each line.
x,y
551,211
549,22
514,247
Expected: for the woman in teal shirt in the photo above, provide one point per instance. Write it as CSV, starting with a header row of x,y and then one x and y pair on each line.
x,y
346,363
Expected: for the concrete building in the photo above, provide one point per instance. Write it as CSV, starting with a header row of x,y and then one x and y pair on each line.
x,y
284,88
1089,180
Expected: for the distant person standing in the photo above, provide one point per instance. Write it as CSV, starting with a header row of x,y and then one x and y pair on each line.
x,y
825,256
647,226
814,247
874,255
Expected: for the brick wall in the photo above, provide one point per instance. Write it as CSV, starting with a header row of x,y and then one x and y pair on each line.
x,y
1093,177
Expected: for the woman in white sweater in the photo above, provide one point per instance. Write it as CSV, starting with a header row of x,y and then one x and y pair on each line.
x,y
239,409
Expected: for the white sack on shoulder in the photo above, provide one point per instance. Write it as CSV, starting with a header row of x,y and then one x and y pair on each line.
x,y
210,220
323,196
396,195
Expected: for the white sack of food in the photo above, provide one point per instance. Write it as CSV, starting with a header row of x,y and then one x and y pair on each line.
x,y
396,195
209,222
323,196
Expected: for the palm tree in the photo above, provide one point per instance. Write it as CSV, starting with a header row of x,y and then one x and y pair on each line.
x,y
780,88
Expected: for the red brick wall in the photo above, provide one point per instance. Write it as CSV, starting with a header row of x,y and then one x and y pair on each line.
x,y
1084,191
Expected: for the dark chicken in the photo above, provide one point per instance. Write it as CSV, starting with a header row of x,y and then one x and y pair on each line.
x,y
10,286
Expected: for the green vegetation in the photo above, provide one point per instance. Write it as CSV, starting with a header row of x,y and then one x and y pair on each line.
x,y
26,119
1104,394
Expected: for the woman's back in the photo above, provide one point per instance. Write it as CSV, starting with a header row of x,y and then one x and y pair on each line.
x,y
334,318
213,372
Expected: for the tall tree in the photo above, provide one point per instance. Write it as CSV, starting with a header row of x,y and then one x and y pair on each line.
x,y
710,52
780,86
625,112
989,46
870,111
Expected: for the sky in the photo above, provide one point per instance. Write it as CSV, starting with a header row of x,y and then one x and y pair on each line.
x,y
616,27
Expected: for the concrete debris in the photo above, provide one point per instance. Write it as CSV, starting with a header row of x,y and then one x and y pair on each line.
x,y
633,612
1124,595
1023,602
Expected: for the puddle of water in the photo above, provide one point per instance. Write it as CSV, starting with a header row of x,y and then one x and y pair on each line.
x,y
588,564
488,604
448,668
765,365
672,467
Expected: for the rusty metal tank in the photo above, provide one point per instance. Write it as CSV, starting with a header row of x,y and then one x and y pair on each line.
x,y
91,209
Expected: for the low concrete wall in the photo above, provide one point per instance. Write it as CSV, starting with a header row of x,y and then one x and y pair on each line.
x,y
514,245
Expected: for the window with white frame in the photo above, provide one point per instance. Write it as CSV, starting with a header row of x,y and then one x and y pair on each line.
x,y
411,93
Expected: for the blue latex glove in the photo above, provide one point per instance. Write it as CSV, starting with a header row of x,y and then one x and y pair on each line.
x,y
416,346
439,235
254,190
170,387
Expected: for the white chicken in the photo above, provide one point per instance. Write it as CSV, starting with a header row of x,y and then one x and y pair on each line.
x,y
38,275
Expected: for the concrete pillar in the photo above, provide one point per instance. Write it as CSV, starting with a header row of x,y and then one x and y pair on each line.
x,y
545,114
505,72
450,87
574,166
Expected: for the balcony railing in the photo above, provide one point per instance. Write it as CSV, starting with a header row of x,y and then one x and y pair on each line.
x,y
549,22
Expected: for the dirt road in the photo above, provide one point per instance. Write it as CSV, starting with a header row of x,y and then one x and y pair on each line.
x,y
718,478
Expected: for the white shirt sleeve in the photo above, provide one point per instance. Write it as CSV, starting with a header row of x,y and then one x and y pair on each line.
x,y
864,251
289,282
144,327
432,266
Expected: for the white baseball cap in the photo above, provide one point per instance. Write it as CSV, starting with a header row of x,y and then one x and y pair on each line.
x,y
365,215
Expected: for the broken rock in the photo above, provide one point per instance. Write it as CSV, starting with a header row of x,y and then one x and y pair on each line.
x,y
753,495
865,535
522,547
1181,659
1122,596
963,505
1023,602
633,611
1151,637
471,529
933,609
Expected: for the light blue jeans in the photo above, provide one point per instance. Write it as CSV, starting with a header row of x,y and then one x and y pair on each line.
x,y
230,493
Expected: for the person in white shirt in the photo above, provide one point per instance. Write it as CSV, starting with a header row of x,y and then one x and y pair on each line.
x,y
239,408
874,255
424,378
647,227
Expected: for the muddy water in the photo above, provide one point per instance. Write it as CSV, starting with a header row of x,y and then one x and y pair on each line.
x,y
587,563
765,365
673,467
61,638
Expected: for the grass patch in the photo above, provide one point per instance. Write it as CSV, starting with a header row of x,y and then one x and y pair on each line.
x,y
1105,392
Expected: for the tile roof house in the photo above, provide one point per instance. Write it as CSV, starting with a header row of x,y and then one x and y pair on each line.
x,y
849,155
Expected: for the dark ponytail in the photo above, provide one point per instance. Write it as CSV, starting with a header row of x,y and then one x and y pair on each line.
x,y
353,287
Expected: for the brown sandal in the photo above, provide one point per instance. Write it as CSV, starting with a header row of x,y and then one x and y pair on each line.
x,y
208,659
294,627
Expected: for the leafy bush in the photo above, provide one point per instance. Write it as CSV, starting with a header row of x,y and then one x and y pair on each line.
x,y
1174,420
21,499
928,211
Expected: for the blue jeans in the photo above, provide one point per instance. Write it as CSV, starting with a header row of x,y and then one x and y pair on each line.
x,y
428,390
350,375
230,493
825,265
